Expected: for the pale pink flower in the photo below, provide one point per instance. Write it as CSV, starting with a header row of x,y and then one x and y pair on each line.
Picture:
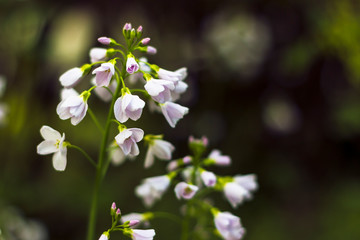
x,y
185,190
179,89
151,50
131,65
247,181
116,154
152,189
68,92
174,76
145,41
160,149
159,90
73,107
97,54
71,77
104,74
128,106
229,226
127,140
53,143
173,112
220,160
209,178
235,193
127,26
138,234
103,237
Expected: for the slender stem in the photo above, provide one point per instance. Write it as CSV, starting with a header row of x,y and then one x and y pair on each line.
x,y
185,223
93,117
84,153
99,170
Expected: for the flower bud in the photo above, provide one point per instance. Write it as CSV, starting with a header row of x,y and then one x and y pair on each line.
x,y
104,40
127,26
151,50
145,41
113,208
139,31
133,222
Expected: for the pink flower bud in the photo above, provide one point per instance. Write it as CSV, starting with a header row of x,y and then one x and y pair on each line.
x,y
139,30
145,41
127,26
113,206
133,222
172,166
151,50
186,159
104,40
118,212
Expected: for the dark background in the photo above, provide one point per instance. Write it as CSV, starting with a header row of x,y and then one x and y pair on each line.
x,y
274,84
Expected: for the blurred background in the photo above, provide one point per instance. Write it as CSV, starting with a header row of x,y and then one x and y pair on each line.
x,y
274,84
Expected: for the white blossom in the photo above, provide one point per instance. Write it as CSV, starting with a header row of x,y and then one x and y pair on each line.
x,y
220,160
173,112
131,65
240,188
185,190
74,107
53,143
152,189
147,234
128,106
127,140
229,226
71,77
97,54
104,74
160,149
160,90
209,178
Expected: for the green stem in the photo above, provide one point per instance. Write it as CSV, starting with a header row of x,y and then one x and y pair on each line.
x,y
93,117
84,153
99,170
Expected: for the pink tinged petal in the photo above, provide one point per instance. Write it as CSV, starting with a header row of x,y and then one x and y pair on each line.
x,y
122,136
173,112
134,149
185,191
138,234
68,92
234,193
137,134
49,133
47,147
208,178
182,72
131,65
163,149
103,237
76,119
59,161
229,226
151,50
135,107
126,146
247,181
132,216
149,158
71,77
159,183
118,110
219,159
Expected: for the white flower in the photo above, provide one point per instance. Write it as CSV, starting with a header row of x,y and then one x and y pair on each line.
x,y
209,178
104,74
127,140
152,189
180,88
147,234
240,188
132,216
185,190
68,92
160,90
220,160
131,65
173,112
229,226
173,76
116,154
160,149
97,54
53,143
128,106
71,77
73,107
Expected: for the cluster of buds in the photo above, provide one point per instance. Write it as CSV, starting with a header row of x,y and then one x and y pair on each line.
x,y
196,178
118,224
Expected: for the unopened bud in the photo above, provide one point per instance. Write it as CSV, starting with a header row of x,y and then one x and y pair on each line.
x,y
104,40
145,41
151,50
133,222
113,206
127,26
139,29
118,212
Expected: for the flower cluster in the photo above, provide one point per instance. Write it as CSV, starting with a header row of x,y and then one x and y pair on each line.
x,y
126,227
198,181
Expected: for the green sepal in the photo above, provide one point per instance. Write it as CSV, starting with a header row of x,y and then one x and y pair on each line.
x,y
110,52
86,68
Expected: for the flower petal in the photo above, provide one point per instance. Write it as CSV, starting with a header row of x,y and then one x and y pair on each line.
x,y
47,147
49,133
59,161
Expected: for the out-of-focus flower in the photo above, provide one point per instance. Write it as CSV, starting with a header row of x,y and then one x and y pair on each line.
x,y
240,189
158,148
105,236
104,40
209,178
185,190
152,189
104,93
53,143
128,106
159,90
127,140
220,160
116,154
173,112
151,50
104,74
229,226
147,234
71,77
97,54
